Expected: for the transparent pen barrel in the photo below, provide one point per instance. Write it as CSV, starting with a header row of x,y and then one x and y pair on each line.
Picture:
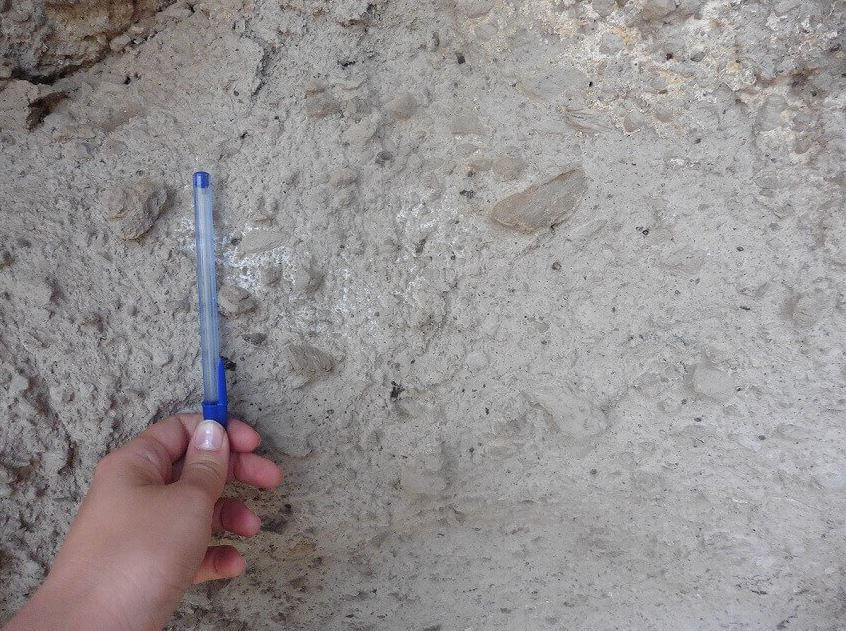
x,y
207,291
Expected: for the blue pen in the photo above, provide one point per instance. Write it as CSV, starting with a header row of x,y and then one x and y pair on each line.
x,y
214,371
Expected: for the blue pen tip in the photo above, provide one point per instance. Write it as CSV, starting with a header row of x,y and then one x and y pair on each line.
x,y
201,179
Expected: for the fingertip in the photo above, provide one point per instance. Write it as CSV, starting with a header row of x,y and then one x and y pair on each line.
x,y
232,515
242,437
257,471
230,563
252,525
220,562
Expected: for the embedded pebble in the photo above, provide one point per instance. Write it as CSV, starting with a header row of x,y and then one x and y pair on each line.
x,y
319,103
133,206
769,116
466,125
233,301
402,107
307,364
712,382
480,165
343,177
508,168
656,9
542,205
261,240
306,279
256,339
269,275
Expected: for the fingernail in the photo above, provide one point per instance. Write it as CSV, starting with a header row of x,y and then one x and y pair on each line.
x,y
208,436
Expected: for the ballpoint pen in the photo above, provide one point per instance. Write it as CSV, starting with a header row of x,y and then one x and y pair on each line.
x,y
214,371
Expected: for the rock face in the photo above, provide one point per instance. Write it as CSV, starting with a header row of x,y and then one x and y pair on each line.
x,y
542,205
488,423
132,207
43,39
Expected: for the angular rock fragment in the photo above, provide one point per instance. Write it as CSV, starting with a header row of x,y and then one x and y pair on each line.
x,y
307,364
542,205
42,106
343,177
712,382
132,207
466,125
232,301
256,339
402,107
319,103
257,241
508,168
585,121
656,9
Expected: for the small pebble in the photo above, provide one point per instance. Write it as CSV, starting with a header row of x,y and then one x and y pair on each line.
x,y
233,301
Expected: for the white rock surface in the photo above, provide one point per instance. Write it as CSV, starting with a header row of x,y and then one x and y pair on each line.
x,y
621,413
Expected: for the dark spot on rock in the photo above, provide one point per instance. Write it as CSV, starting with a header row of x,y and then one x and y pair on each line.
x,y
459,57
41,107
128,80
556,265
383,157
669,56
469,194
698,419
645,232
346,63
593,471
740,248
255,338
396,390
761,437
235,240
745,308
228,364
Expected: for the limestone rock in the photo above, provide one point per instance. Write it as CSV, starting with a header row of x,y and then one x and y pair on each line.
x,y
542,205
307,364
508,168
233,301
132,207
260,241
402,107
712,382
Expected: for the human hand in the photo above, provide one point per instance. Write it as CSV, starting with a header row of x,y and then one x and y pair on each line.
x,y
142,534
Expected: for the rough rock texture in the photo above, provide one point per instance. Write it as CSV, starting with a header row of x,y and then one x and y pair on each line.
x,y
44,39
132,206
631,420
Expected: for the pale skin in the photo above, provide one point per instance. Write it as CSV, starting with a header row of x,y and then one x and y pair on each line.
x,y
142,534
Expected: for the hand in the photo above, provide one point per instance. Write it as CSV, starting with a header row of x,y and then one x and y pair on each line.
x,y
142,533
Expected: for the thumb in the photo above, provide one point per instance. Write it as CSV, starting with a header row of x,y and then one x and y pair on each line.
x,y
207,460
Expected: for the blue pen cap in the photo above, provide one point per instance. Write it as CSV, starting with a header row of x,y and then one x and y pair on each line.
x,y
201,179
